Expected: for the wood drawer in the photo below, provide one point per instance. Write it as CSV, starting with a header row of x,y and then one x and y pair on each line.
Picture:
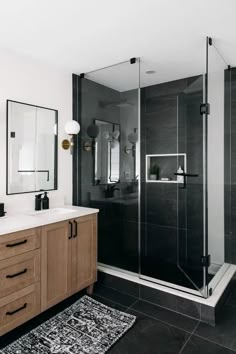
x,y
19,242
19,272
19,307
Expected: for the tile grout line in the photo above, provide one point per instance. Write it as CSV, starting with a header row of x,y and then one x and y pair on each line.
x,y
196,326
161,321
115,302
189,337
121,292
130,307
185,343
211,341
169,309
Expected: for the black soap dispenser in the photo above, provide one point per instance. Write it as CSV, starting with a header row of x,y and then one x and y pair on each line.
x,y
45,201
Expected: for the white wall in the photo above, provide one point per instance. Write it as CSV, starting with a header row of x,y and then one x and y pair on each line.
x,y
29,81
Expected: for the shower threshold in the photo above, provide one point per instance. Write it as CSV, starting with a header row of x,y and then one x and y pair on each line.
x,y
219,284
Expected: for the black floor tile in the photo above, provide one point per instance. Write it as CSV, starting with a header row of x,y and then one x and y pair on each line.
x,y
169,317
149,336
119,284
197,345
110,303
115,296
188,307
158,297
224,333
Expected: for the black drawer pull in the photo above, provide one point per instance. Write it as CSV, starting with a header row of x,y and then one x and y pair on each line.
x,y
16,275
10,313
76,229
16,244
71,230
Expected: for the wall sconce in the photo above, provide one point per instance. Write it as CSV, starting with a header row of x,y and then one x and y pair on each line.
x,y
92,131
72,128
133,139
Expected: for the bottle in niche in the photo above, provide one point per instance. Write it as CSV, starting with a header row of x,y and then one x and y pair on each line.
x,y
180,179
45,201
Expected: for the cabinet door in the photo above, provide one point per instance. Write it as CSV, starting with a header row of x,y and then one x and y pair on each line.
x,y
56,263
84,252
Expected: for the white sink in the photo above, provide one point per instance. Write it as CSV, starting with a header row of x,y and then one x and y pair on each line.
x,y
53,211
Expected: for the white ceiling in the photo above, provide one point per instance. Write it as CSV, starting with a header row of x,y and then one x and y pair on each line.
x,y
84,35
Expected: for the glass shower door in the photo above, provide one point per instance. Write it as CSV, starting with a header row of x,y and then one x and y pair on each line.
x,y
191,178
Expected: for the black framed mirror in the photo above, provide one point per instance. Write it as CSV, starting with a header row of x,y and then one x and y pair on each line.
x,y
32,148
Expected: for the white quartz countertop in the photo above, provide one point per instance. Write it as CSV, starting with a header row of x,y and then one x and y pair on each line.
x,y
28,220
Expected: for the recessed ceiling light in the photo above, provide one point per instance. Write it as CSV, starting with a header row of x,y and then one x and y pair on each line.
x,y
150,72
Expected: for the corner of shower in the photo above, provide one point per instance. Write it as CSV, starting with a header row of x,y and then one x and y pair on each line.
x,y
149,170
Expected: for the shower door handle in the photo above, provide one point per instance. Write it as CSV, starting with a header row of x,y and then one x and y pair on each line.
x,y
185,175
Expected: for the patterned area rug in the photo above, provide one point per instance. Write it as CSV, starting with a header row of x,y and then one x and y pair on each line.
x,y
86,327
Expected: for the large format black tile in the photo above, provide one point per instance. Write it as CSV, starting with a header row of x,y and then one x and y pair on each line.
x,y
105,301
188,307
232,297
149,336
115,296
161,245
119,284
224,333
162,314
208,314
197,345
158,297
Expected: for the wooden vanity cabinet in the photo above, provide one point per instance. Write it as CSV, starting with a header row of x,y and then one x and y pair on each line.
x,y
19,278
42,266
84,253
55,264
68,258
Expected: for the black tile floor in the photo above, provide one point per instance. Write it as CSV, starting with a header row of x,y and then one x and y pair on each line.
x,y
157,330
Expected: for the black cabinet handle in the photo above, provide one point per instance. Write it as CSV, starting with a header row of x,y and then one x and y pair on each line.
x,y
76,229
16,244
10,313
71,230
16,275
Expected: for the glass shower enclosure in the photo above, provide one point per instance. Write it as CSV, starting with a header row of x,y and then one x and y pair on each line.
x,y
144,142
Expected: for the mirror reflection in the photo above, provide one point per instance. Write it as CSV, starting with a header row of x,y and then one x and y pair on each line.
x,y
31,148
107,153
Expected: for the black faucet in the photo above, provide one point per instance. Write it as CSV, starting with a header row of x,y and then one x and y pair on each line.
x,y
111,188
38,201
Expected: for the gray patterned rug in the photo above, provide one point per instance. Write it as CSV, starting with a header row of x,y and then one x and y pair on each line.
x,y
86,327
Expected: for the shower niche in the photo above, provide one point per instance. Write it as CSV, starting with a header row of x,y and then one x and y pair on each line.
x,y
162,168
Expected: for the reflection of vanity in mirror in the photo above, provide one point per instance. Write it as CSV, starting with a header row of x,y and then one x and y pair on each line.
x,y
31,148
107,153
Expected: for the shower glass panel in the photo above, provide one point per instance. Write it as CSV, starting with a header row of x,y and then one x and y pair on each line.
x,y
218,96
154,162
173,173
190,189
110,152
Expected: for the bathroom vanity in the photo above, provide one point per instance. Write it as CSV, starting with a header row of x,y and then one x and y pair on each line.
x,y
45,257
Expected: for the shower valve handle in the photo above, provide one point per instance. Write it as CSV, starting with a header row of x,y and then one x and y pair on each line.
x,y
185,175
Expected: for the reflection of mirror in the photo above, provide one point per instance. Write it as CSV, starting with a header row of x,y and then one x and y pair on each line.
x,y
107,153
31,148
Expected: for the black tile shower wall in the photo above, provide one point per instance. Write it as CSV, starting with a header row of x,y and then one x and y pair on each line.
x,y
170,217
165,208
